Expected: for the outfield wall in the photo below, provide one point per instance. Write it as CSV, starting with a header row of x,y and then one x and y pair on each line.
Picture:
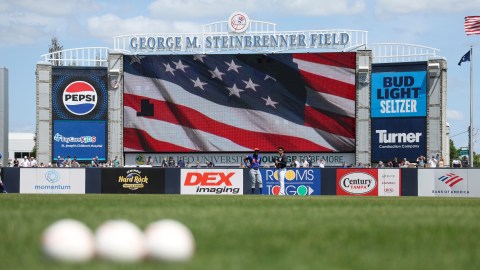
x,y
234,181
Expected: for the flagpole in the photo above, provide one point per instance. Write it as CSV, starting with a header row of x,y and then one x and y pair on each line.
x,y
470,158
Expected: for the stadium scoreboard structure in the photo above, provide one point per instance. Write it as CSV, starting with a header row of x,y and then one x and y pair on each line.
x,y
241,84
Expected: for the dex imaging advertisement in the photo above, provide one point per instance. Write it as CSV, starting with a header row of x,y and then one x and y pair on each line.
x,y
398,138
81,139
399,91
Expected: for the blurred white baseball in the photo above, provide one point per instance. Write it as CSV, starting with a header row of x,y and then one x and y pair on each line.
x,y
68,240
120,241
169,240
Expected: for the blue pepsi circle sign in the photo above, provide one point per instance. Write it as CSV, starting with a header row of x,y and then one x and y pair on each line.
x,y
80,98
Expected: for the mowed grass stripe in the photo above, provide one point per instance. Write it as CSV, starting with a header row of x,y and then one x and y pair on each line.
x,y
264,232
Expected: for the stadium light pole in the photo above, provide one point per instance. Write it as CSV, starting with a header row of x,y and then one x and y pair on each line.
x,y
470,154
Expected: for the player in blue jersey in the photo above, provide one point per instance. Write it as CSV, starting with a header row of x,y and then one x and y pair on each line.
x,y
254,161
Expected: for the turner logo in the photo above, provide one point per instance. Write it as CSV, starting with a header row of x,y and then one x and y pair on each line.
x,y
80,98
384,137
211,182
358,183
450,179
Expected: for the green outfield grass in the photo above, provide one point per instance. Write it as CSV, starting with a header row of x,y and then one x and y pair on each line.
x,y
264,232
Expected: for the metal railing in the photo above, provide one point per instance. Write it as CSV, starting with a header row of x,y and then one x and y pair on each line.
x,y
89,56
401,52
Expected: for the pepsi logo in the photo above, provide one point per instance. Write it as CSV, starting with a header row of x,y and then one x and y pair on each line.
x,y
80,98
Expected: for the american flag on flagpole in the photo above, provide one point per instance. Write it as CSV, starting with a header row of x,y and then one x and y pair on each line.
x,y
230,103
472,25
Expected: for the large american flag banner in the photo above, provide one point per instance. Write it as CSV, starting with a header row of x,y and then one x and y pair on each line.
x,y
234,103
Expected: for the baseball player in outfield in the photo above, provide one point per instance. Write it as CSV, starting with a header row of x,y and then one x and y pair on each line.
x,y
281,164
254,161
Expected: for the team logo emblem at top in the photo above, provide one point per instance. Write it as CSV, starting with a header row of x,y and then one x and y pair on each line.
x,y
238,22
80,98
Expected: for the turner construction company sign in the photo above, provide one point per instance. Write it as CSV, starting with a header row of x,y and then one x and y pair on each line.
x,y
240,33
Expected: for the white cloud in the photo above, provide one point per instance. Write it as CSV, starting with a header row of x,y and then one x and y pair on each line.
x,y
27,21
454,115
316,8
208,8
109,25
413,6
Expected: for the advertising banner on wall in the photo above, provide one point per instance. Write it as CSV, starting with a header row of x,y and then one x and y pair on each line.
x,y
357,182
235,159
448,183
211,181
389,182
79,93
299,181
133,180
52,181
368,182
398,138
81,139
399,90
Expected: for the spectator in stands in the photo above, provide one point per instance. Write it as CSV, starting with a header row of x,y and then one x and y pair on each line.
x,y
395,163
432,162
421,161
164,162
380,164
2,186
75,163
171,162
305,163
310,162
210,164
464,162
321,163
25,162
181,162
116,162
456,163
441,163
295,163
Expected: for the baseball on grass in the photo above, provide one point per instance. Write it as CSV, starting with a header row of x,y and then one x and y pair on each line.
x,y
120,241
169,240
68,240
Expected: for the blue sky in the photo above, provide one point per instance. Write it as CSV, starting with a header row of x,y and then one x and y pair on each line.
x,y
27,26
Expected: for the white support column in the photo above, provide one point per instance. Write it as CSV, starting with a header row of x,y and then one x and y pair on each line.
x,y
362,105
115,106
44,112
437,140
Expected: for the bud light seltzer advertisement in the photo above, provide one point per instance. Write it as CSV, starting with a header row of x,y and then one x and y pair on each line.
x,y
399,90
398,138
79,93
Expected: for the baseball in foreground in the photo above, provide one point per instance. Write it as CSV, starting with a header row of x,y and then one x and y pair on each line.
x,y
120,241
68,240
169,240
